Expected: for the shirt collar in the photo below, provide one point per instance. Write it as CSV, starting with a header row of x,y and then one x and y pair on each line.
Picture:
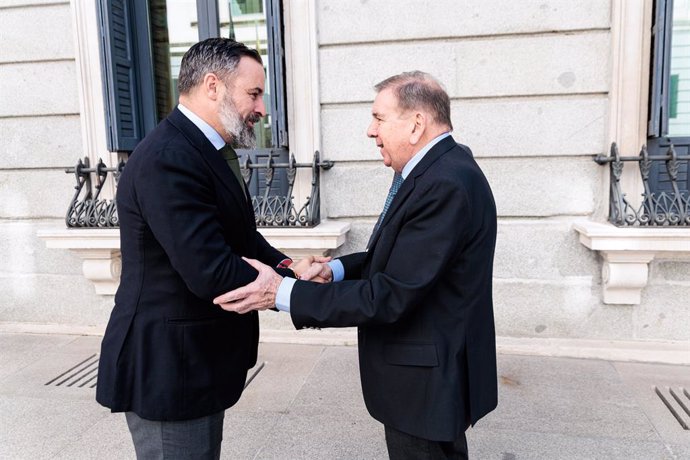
x,y
210,133
421,154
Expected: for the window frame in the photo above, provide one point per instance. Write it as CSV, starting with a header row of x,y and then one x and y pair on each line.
x,y
658,141
139,89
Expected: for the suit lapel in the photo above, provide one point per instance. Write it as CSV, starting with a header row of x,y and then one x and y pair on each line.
x,y
212,157
408,184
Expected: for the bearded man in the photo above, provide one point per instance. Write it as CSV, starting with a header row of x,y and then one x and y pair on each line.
x,y
170,359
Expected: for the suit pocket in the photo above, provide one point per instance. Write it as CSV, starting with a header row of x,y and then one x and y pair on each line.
x,y
193,321
411,354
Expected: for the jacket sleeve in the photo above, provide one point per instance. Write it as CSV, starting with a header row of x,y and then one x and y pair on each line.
x,y
353,264
267,253
178,203
428,237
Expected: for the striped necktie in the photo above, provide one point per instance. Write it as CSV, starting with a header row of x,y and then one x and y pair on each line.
x,y
395,186
233,162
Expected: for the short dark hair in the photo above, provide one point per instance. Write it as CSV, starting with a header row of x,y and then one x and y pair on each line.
x,y
419,90
217,55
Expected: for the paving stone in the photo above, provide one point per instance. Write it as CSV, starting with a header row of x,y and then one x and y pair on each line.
x,y
521,444
306,403
575,397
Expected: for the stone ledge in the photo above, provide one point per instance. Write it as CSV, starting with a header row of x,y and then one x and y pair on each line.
x,y
100,248
627,253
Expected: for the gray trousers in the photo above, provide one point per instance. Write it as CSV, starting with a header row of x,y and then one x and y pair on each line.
x,y
198,438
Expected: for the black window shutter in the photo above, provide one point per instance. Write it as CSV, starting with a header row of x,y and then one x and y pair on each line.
x,y
660,107
661,53
659,178
127,72
257,182
276,57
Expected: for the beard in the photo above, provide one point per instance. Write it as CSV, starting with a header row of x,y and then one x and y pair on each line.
x,y
237,128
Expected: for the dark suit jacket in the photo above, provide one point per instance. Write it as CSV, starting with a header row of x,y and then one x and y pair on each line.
x,y
421,296
168,353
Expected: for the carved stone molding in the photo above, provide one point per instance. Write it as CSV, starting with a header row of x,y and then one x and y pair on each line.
x,y
627,253
99,249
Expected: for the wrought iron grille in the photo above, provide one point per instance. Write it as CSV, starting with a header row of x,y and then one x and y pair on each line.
x,y
280,210
658,208
87,210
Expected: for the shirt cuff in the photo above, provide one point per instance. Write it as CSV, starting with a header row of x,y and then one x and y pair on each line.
x,y
337,269
283,294
285,263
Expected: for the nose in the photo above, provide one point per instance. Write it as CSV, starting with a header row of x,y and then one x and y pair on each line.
x,y
371,130
260,107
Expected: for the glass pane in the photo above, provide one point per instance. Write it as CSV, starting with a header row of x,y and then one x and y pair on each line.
x,y
245,21
679,80
175,29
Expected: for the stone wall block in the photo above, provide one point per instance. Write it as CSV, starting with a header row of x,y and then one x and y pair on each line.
x,y
540,187
36,33
31,3
60,299
349,21
505,66
567,308
542,249
355,190
544,126
41,88
24,253
669,270
357,237
663,313
39,142
35,193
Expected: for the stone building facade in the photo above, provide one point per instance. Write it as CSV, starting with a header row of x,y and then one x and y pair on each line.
x,y
538,89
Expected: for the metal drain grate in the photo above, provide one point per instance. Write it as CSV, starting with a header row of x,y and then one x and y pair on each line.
x,y
79,376
677,402
85,374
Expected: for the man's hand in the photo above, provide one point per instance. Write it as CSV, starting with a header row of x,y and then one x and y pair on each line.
x,y
319,272
257,295
311,269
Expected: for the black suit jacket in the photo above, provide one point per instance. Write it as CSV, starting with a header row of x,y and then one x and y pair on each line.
x,y
421,296
168,353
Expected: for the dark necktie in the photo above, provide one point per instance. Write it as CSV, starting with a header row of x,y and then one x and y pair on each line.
x,y
231,158
395,186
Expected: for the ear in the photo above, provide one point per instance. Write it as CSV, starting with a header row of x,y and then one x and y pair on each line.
x,y
418,128
211,86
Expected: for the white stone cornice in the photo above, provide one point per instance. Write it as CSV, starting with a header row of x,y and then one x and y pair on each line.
x,y
627,253
99,249
300,242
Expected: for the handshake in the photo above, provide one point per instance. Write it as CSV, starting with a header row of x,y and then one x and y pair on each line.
x,y
261,293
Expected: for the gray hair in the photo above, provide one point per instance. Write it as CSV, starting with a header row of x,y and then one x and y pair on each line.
x,y
213,55
419,90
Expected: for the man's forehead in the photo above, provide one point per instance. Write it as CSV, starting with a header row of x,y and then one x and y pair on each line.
x,y
250,74
384,103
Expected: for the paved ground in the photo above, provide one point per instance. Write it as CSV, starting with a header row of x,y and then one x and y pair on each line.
x,y
305,403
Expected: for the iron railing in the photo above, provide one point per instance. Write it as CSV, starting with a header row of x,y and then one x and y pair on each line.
x,y
87,210
280,210
658,208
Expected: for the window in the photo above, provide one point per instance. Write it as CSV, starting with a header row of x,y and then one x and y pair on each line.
x,y
669,110
143,43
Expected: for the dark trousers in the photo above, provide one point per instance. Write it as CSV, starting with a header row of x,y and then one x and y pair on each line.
x,y
198,438
403,446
